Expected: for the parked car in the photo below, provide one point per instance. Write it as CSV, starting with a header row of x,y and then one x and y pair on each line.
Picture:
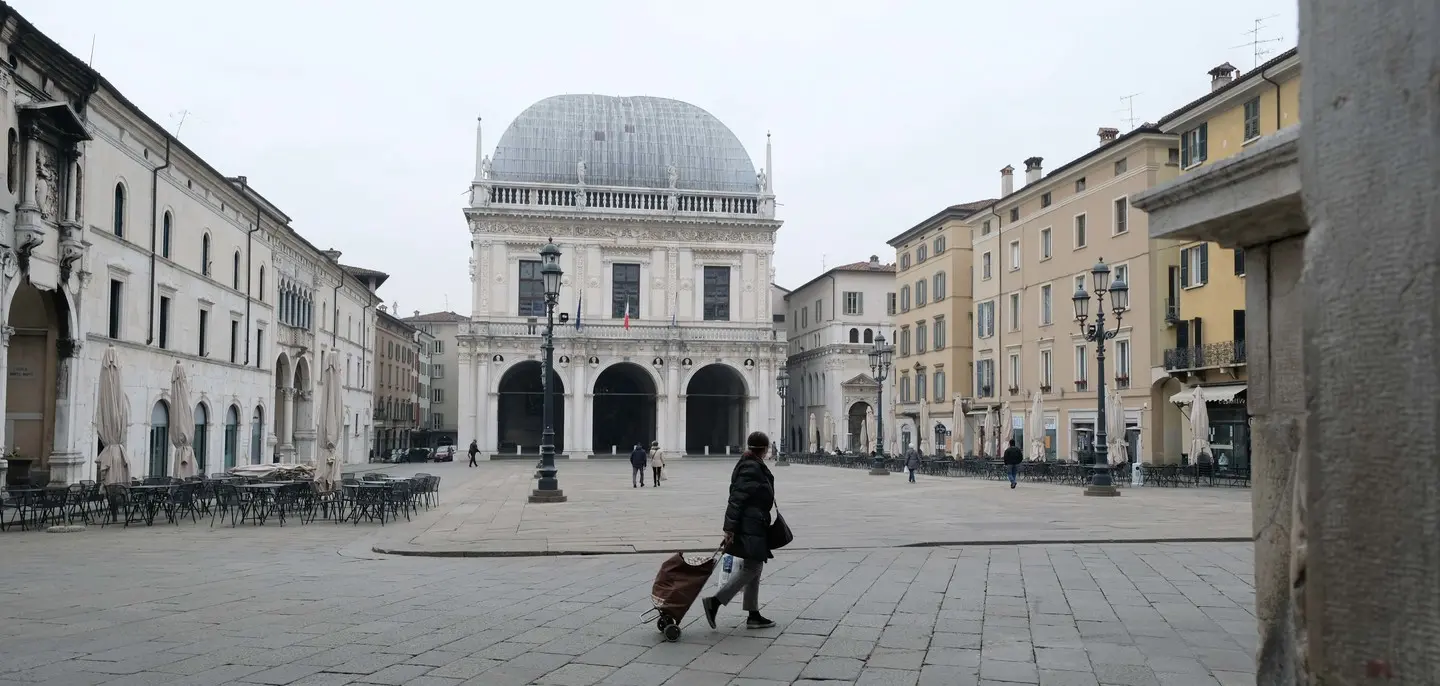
x,y
445,453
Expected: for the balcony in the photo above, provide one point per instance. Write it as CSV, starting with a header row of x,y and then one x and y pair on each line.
x,y
1208,356
620,200
1172,311
295,337
738,333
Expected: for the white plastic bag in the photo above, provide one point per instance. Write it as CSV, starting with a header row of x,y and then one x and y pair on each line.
x,y
729,566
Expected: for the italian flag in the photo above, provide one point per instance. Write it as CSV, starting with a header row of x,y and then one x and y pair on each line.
x,y
627,315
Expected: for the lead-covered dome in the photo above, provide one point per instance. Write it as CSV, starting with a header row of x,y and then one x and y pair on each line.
x,y
624,141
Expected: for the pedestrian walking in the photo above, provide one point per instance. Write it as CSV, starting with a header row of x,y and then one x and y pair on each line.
x,y
657,463
474,450
638,458
912,463
1013,457
747,529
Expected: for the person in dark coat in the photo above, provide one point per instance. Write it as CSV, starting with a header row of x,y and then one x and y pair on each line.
x,y
1013,457
747,529
474,450
638,458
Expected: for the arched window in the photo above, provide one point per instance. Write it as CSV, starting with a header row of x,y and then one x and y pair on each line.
x,y
201,439
160,439
261,295
12,160
232,435
205,255
257,434
869,335
854,335
166,224
119,218
235,280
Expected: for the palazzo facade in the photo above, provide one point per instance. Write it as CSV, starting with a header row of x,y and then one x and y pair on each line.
x,y
667,236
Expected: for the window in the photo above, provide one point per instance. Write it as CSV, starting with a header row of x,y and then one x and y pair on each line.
x,y
437,371
921,253
232,435
531,291
1047,369
160,439
257,434
1239,262
119,218
985,228
922,337
904,388
1014,370
234,341
1014,311
717,294
922,290
1194,148
205,255
904,298
12,160
939,387
1045,199
1122,273
261,281
437,395
939,244
890,303
855,335
1047,243
937,288
259,347
985,267
984,378
905,340
805,317
1046,305
869,335
985,319
437,420
1080,185
166,224
1014,255
819,307
1122,362
235,277
1122,215
203,349
201,436
1082,366
939,333
1079,282
1195,266
1173,156
164,338
905,261
1014,214
1080,238
625,291
117,307
437,348
1252,119
1121,166
854,303
920,384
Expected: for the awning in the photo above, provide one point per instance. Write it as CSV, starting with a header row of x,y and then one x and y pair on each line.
x,y
1212,394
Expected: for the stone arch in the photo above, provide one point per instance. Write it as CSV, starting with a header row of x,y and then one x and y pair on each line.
x,y
625,400
39,328
716,400
230,438
120,208
302,419
854,419
201,440
205,253
854,335
167,232
519,391
869,336
1167,428
651,372
158,445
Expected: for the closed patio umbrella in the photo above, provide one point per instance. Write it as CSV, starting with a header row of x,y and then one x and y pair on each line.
x,y
813,435
1037,428
332,409
182,423
829,432
987,434
868,431
923,429
1007,428
1199,425
112,419
1115,440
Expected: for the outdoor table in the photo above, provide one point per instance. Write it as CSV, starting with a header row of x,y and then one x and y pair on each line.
x,y
151,498
260,500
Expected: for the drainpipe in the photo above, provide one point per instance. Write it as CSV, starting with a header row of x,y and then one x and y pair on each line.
x,y
249,272
1277,97
154,213
335,320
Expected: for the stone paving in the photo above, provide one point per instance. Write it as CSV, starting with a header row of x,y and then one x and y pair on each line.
x,y
828,507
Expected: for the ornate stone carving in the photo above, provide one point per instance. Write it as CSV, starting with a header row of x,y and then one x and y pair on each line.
x,y
9,264
68,347
657,283
47,181
472,268
594,282
480,272
5,334
687,284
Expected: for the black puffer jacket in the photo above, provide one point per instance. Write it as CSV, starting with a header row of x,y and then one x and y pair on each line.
x,y
752,496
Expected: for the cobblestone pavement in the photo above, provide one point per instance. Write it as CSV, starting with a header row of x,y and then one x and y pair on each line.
x,y
312,605
829,507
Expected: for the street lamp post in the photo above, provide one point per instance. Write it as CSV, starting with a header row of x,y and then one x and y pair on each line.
x,y
782,384
880,357
1100,484
941,433
548,488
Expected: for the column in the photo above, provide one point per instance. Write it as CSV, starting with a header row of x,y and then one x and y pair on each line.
x,y
28,168
482,429
671,410
287,412
465,418
66,465
5,333
72,178
577,444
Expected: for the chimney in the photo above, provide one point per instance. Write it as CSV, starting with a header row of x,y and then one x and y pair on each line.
x,y
417,313
1107,134
1007,181
333,254
1032,170
1221,76
244,180
874,261
381,307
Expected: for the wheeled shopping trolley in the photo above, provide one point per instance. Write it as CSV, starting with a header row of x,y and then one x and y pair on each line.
x,y
681,579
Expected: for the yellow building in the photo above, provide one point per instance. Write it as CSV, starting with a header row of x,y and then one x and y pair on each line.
x,y
1204,323
930,311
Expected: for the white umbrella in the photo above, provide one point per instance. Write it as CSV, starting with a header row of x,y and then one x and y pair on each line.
x,y
1007,428
829,435
112,419
961,426
1199,425
332,410
924,427
813,435
869,430
987,434
1037,428
182,423
1115,440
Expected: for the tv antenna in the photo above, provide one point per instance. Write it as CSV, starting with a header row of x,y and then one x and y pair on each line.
x,y
91,62
1127,106
1257,42
181,116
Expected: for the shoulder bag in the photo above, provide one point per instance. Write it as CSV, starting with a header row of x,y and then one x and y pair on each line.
x,y
779,534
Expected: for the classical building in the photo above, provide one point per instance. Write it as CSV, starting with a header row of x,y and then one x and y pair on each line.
x,y
929,306
667,235
1204,328
834,320
1037,245
426,395
444,328
397,381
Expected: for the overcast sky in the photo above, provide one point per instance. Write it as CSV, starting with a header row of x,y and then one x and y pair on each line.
x,y
357,117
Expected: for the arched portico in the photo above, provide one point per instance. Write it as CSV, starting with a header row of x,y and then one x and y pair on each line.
x,y
520,415
715,410
302,413
624,407
854,420
39,352
284,394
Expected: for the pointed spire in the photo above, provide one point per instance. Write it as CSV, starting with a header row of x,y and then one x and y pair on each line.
x,y
479,149
769,167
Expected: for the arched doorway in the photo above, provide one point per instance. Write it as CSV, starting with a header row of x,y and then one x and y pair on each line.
x,y
37,354
257,435
715,410
282,389
202,438
159,439
302,420
520,412
855,419
232,436
624,408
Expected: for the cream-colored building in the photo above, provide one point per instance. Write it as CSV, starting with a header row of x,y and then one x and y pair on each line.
x,y
929,309
1033,248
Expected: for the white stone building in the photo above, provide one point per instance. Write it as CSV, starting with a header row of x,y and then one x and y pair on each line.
x,y
659,212
444,327
116,234
426,396
833,321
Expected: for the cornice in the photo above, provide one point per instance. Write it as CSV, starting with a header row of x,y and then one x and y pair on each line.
x,y
548,228
474,214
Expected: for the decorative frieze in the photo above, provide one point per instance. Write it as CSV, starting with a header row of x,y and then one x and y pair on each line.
x,y
606,231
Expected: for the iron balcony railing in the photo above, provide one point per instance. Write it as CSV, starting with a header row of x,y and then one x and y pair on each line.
x,y
1224,354
1172,311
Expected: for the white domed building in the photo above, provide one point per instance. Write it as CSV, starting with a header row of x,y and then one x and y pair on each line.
x,y
667,233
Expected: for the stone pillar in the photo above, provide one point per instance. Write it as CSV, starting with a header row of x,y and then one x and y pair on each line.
x,y
5,333
1368,579
466,410
66,464
671,431
577,423
284,429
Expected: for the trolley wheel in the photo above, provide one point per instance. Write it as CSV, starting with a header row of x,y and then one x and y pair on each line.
x,y
672,632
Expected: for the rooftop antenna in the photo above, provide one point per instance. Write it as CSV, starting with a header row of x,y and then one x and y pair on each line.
x,y
824,261
447,302
1257,43
1127,106
91,62
181,115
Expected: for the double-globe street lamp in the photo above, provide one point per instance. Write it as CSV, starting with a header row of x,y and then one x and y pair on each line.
x,y
880,357
548,488
1100,484
782,384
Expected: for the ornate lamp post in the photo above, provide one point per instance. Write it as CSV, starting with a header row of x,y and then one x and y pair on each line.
x,y
1119,291
782,384
548,488
880,357
941,433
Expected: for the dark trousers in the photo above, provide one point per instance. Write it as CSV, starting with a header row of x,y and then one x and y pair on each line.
x,y
1013,469
655,473
637,473
473,463
748,580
